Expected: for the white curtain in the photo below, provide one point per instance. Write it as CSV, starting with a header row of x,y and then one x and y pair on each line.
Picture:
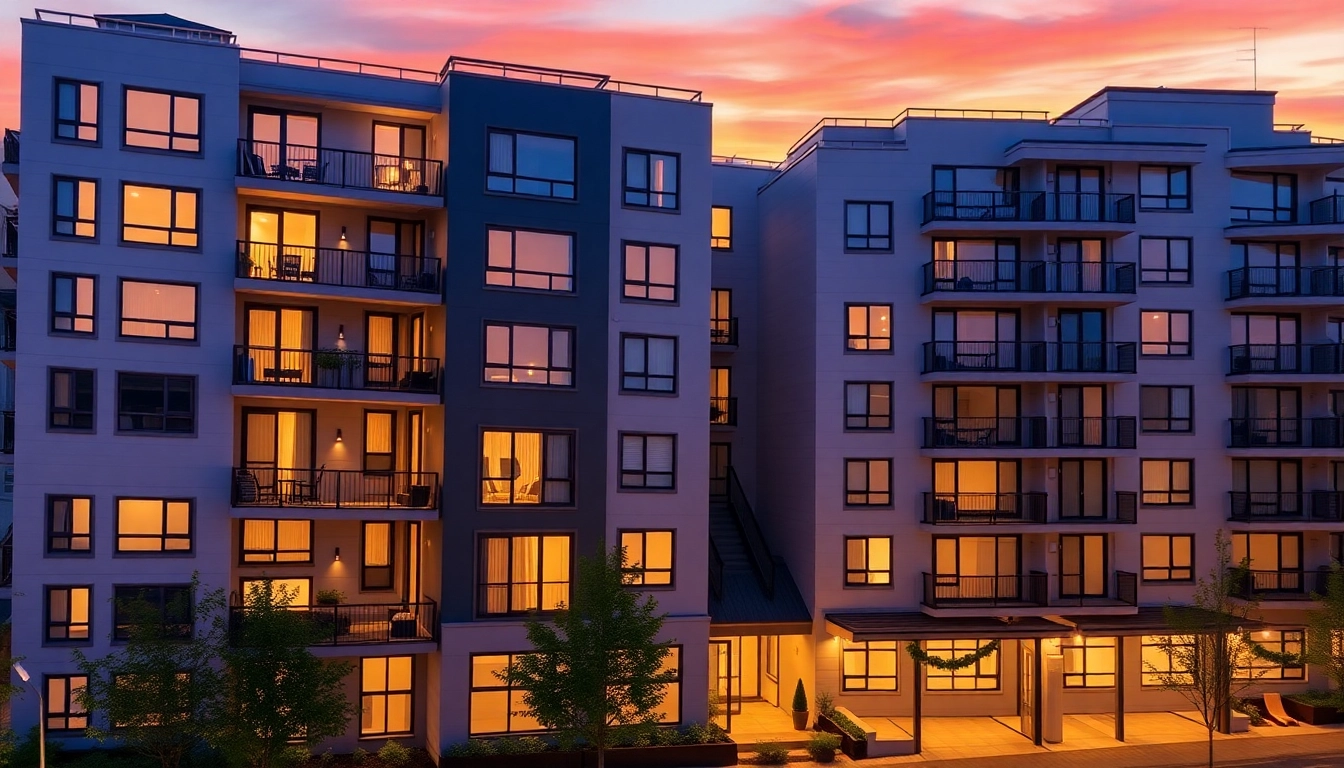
x,y
497,575
525,573
557,469
501,153
527,467
158,304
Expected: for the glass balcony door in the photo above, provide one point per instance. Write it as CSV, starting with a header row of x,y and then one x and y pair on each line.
x,y
398,156
380,339
395,249
287,144
280,344
1078,191
977,487
976,567
1082,565
278,448
1081,267
1082,489
1082,336
282,244
1082,411
1266,487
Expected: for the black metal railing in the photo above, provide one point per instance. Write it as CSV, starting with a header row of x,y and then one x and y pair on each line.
x,y
1031,432
339,167
1249,282
1319,432
758,551
983,508
9,236
1285,358
264,486
11,145
360,624
1028,206
335,266
1073,590
7,558
723,331
9,329
1091,507
986,276
335,369
949,590
723,411
715,571
6,432
1030,356
1290,506
1258,583
1327,210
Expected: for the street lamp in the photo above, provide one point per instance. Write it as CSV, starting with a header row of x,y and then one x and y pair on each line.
x,y
41,716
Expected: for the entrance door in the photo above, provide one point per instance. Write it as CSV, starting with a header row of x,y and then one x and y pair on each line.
x,y
1078,193
1081,416
720,459
280,345
1027,690
1082,337
282,245
1082,565
380,340
720,677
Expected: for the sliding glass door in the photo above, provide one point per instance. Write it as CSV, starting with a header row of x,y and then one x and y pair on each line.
x,y
280,344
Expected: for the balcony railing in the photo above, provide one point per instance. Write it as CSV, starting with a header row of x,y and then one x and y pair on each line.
x,y
335,266
1260,583
1327,210
1323,506
6,432
983,508
335,369
360,624
723,331
989,276
723,411
9,325
1030,432
9,247
1251,282
1286,358
1320,432
1072,590
1030,356
334,488
1028,206
339,167
11,145
1092,508
950,591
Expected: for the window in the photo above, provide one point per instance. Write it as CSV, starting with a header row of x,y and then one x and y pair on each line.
x,y
1166,409
294,591
1089,662
154,525
71,402
523,573
276,541
980,676
386,693
496,707
68,613
77,107
1164,260
867,561
167,605
868,226
648,461
74,207
722,324
649,557
520,258
1264,197
868,327
172,695
1164,187
1164,658
162,120
868,405
160,215
1166,333
527,467
69,524
1286,641
652,179
380,439
870,666
1168,557
64,712
650,272
72,309
376,556
867,482
1168,482
154,402
158,310
648,363
531,164
529,354
721,228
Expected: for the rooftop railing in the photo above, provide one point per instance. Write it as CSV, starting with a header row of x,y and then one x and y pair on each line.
x,y
987,275
339,167
1252,282
338,65
569,77
749,162
946,114
1010,205
136,27
337,267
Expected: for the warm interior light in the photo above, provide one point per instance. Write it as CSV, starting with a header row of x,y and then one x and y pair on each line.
x,y
340,333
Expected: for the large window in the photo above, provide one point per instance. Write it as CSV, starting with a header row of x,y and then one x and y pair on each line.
x,y
380,441
77,110
531,164
1164,260
1164,657
980,676
68,613
529,354
721,228
1164,187
650,272
648,462
375,558
521,258
1168,482
159,310
163,120
867,226
64,712
1165,333
867,482
386,695
1166,409
70,405
167,605
867,561
154,525
160,215
1089,662
648,363
74,207
496,707
69,525
523,573
1168,557
155,402
1285,641
649,557
868,327
1264,197
652,179
527,467
868,405
72,303
870,666
281,542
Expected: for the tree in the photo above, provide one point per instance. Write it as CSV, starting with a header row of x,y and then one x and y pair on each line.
x,y
159,691
597,672
274,690
1325,632
1209,644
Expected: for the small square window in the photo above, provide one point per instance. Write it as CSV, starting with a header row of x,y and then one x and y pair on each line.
x,y
168,606
648,462
870,666
868,405
867,226
72,303
867,561
155,402
68,614
868,482
154,525
70,402
1168,557
1168,482
376,561
648,363
1166,409
78,105
288,542
648,557
1164,260
650,272
163,120
1164,187
868,327
160,215
64,712
1165,333
69,525
74,207
652,179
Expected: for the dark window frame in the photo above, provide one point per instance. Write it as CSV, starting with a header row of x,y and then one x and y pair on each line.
x,y
866,241
1170,568
380,585
549,370
967,645
173,229
160,597
724,244
1269,670
852,339
514,176
1171,171
49,622
636,577
1171,491
1154,678
389,456
164,415
73,220
1145,420
864,570
384,693
648,191
73,413
1169,345
69,705
1277,213
74,316
867,416
274,551
865,650
194,325
52,535
1168,270
163,536
643,471
172,134
627,374
512,271
1082,644
514,482
871,498
647,286
482,548
79,120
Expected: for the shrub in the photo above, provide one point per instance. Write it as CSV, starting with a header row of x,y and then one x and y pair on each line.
x,y
394,754
26,752
771,753
822,747
825,704
799,698
359,756
850,728
708,733
1317,698
526,745
1248,709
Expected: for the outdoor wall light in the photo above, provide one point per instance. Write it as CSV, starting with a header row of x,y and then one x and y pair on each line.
x,y
340,439
338,554
340,333
344,239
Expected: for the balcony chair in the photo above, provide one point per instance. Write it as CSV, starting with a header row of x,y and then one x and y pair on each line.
x,y
314,173
249,491
305,491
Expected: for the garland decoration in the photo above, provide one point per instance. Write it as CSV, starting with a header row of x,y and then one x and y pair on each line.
x,y
1273,657
948,665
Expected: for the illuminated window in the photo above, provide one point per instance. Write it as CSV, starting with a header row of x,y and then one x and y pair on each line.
x,y
75,211
68,613
867,482
162,120
376,556
523,573
868,327
721,228
870,666
72,303
77,108
1286,641
386,695
648,557
154,525
1165,658
1165,333
151,402
648,461
531,164
520,258
867,226
983,675
160,215
529,354
158,310
1089,662
69,524
1168,482
294,592
650,272
70,406
276,541
648,363
380,440
520,467
1168,557
868,405
867,561
652,179
172,694
64,712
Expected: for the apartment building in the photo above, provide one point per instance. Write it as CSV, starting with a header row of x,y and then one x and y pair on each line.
x,y
406,343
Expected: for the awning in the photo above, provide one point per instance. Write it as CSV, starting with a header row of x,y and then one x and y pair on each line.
x,y
1150,621
745,609
863,627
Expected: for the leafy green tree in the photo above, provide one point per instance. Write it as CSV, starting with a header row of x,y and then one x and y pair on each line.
x,y
596,674
1325,632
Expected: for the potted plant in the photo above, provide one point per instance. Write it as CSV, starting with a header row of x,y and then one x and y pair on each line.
x,y
328,617
329,597
799,707
338,361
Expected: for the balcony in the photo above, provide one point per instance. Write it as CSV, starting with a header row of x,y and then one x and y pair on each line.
x,y
723,331
362,624
1286,282
966,277
723,411
9,236
6,432
337,267
1321,432
1087,511
954,591
1124,591
323,488
1290,584
1310,359
1009,206
1327,210
984,508
347,169
1030,432
1085,357
1305,506
11,147
335,369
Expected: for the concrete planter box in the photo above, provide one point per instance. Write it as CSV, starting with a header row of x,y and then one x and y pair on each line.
x,y
871,745
679,756
853,748
1312,714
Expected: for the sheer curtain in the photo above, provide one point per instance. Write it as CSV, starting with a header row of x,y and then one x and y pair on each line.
x,y
526,467
557,489
525,573
296,333
497,575
496,467
261,342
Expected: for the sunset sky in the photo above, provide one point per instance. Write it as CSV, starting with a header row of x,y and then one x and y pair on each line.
x,y
773,67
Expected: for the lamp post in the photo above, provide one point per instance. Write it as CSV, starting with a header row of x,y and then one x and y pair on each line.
x,y
41,716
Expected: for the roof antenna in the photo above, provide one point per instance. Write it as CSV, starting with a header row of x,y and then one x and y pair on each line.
x,y
1253,57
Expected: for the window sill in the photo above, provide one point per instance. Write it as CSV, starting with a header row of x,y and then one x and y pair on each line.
x,y
651,208
386,736
638,489
151,433
197,155
542,198
729,249
72,334
162,247
849,351
647,393
64,554
286,564
533,387
526,507
656,302
95,240
530,291
175,554
95,144
196,342
71,431
868,251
